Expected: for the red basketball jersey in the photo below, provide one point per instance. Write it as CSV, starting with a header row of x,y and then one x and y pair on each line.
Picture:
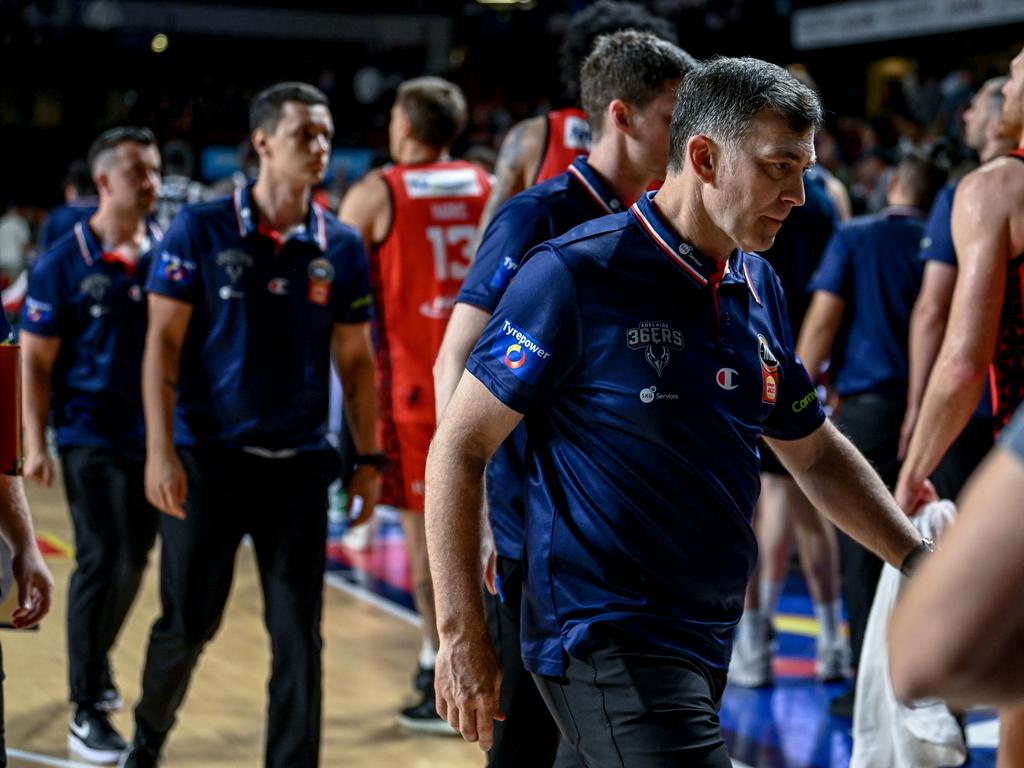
x,y
1008,364
568,137
416,274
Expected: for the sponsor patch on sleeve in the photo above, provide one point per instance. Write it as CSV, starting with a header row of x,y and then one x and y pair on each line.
x,y
176,269
38,311
520,352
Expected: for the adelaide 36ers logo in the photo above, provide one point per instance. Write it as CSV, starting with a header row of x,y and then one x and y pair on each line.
x,y
657,339
769,371
321,273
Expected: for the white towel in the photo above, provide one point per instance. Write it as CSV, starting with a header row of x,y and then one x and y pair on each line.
x,y
887,734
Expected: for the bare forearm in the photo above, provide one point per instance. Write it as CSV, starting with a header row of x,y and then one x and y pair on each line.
x,y
361,404
160,368
927,327
953,391
15,519
36,404
453,504
464,328
841,483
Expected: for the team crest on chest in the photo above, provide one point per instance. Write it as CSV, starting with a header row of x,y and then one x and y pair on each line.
x,y
96,287
657,340
321,273
234,263
769,371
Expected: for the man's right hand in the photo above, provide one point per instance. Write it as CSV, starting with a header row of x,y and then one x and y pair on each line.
x,y
467,684
39,467
165,483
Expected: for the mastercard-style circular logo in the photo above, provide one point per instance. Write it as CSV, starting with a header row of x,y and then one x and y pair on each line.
x,y
514,356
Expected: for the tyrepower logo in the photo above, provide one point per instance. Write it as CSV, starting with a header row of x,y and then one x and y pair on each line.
x,y
519,352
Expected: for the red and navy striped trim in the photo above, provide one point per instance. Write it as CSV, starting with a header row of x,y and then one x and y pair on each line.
x,y
660,242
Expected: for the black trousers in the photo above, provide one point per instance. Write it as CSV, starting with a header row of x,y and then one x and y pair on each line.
x,y
631,707
872,423
528,736
3,738
115,528
963,457
282,505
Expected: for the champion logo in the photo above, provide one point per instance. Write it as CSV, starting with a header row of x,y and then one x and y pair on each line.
x,y
726,378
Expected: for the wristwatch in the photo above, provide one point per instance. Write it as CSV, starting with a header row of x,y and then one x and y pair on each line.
x,y
376,460
913,560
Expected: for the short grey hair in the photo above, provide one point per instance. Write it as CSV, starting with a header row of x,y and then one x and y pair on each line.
x,y
720,99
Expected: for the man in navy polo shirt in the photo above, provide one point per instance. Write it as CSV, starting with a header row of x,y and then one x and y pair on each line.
x,y
84,322
629,84
648,352
859,315
250,298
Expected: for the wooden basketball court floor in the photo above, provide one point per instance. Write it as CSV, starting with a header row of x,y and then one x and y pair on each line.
x,y
370,643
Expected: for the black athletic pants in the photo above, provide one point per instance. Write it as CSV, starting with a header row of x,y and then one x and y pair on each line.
x,y
3,740
872,422
282,505
115,528
963,457
625,706
528,736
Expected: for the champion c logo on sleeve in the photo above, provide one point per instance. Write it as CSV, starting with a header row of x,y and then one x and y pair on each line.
x,y
520,352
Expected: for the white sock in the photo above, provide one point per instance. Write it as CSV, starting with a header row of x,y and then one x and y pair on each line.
x,y
768,595
830,618
752,627
428,655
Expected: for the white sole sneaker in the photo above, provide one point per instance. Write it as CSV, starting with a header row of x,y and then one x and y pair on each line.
x,y
79,748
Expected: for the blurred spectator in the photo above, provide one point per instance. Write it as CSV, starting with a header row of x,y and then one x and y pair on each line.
x,y
15,239
177,187
80,203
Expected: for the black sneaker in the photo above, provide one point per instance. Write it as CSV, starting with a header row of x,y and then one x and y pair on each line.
x,y
137,757
423,718
423,680
110,700
92,737
842,705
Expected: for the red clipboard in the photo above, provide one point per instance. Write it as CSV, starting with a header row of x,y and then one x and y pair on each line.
x,y
12,457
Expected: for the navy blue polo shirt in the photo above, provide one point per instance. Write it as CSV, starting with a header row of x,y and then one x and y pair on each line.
x,y
255,365
528,219
937,243
62,218
94,303
645,389
872,264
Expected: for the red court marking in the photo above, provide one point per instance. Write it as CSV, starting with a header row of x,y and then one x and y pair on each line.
x,y
52,546
385,560
789,666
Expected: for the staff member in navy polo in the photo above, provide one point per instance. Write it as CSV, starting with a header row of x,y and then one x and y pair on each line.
x,y
629,83
863,292
657,356
84,324
251,297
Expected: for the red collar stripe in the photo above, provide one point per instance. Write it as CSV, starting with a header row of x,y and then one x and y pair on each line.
x,y
590,188
238,210
664,246
750,283
82,245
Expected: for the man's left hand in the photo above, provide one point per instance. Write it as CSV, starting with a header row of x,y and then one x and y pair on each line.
x,y
365,485
467,684
35,587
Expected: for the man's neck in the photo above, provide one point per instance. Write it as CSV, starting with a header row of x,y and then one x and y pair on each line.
x,y
116,231
680,205
280,205
994,149
608,158
412,152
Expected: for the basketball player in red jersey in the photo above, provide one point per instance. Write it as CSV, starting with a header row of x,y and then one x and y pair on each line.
x,y
419,219
539,148
986,328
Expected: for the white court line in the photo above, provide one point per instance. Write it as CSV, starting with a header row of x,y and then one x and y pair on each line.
x,y
362,593
738,764
32,757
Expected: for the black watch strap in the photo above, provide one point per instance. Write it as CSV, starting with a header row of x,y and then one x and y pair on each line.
x,y
916,556
377,460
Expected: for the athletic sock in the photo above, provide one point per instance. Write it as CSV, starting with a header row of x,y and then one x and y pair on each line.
x,y
768,596
428,655
830,618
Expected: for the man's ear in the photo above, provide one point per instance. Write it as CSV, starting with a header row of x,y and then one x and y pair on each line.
x,y
259,141
620,116
704,157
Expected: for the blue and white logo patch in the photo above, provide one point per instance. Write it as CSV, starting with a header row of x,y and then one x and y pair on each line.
x,y
520,352
176,269
38,311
